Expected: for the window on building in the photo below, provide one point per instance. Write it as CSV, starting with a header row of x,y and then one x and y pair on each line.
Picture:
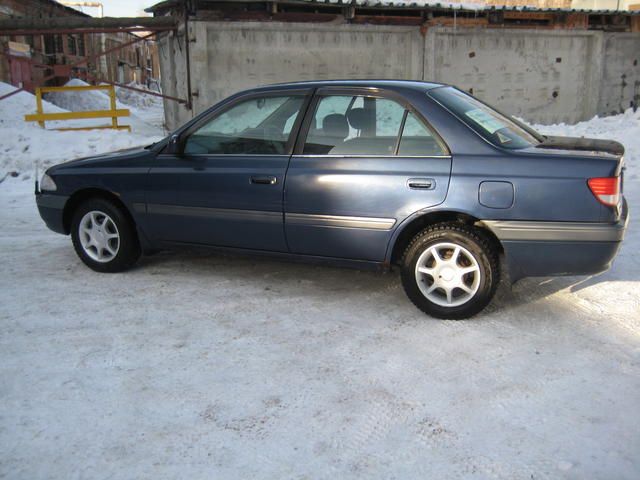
x,y
71,45
58,44
49,44
81,47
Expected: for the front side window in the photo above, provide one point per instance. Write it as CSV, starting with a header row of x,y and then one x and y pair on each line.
x,y
258,126
360,125
490,124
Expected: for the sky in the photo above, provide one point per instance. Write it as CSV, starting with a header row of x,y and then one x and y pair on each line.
x,y
120,8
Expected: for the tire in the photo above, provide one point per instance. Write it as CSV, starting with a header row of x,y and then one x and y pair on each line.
x,y
444,287
104,237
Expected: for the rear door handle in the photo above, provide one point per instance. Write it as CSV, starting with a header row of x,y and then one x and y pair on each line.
x,y
264,180
421,183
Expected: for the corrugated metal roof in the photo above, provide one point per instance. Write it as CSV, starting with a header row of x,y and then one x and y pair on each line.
x,y
470,6
400,4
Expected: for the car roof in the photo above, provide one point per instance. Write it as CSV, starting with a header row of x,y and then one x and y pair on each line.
x,y
410,84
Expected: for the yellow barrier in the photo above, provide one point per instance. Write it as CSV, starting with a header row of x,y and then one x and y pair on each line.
x,y
112,113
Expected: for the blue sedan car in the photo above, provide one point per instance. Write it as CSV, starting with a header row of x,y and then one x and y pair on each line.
x,y
417,175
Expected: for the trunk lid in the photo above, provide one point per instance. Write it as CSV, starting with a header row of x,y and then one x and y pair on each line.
x,y
602,159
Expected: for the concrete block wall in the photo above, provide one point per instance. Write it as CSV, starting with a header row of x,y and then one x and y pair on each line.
x,y
229,57
620,82
543,76
171,52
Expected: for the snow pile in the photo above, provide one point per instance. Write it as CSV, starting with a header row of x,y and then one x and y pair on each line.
x,y
624,128
99,99
145,110
25,143
81,101
136,99
14,108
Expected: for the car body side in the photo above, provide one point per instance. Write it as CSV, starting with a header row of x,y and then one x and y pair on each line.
x,y
533,203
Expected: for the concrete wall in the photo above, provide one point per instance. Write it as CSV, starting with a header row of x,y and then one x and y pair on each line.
x,y
620,83
171,51
544,76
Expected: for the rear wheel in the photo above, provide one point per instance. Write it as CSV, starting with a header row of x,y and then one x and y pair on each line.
x,y
104,237
450,271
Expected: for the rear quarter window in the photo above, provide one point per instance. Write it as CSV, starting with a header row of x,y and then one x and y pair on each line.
x,y
490,124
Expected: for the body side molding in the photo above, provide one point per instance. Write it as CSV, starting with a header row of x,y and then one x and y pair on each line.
x,y
557,231
207,212
370,223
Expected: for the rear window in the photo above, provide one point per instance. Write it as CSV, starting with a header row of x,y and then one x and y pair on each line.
x,y
490,124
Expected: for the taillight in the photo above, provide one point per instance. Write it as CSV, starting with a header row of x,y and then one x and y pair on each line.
x,y
606,190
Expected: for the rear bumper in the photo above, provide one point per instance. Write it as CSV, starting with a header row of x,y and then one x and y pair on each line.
x,y
534,249
51,208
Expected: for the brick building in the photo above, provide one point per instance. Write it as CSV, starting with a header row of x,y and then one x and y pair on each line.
x,y
28,59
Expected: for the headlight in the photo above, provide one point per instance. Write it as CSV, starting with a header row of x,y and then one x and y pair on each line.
x,y
47,183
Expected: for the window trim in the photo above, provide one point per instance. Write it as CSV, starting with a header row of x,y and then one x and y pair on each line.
x,y
306,93
405,114
374,92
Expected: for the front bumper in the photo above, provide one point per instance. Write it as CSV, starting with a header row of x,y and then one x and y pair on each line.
x,y
540,249
51,208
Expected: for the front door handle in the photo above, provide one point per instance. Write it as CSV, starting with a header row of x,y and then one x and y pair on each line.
x,y
421,183
264,180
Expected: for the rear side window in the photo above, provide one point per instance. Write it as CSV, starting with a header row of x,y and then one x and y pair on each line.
x,y
258,126
489,123
418,140
367,126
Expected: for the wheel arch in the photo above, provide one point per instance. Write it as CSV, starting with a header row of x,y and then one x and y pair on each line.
x,y
410,228
78,197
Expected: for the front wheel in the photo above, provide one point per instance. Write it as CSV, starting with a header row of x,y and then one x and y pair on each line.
x,y
450,271
104,237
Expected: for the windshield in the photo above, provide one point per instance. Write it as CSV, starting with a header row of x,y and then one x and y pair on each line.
x,y
490,124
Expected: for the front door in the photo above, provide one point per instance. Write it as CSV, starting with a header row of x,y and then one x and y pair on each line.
x,y
224,186
20,69
368,161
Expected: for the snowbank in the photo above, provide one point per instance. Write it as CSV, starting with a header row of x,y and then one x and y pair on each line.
x,y
625,128
137,100
82,100
99,99
25,143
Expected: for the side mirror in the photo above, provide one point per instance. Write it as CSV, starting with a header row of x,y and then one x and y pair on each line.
x,y
174,144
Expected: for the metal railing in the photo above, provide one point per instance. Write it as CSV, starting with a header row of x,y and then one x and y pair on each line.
x,y
113,113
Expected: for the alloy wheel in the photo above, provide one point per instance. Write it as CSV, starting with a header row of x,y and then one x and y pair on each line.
x,y
448,274
99,236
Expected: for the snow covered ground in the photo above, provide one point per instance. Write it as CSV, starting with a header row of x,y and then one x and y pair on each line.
x,y
204,366
25,143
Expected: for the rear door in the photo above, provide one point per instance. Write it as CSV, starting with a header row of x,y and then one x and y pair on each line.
x,y
365,160
224,186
